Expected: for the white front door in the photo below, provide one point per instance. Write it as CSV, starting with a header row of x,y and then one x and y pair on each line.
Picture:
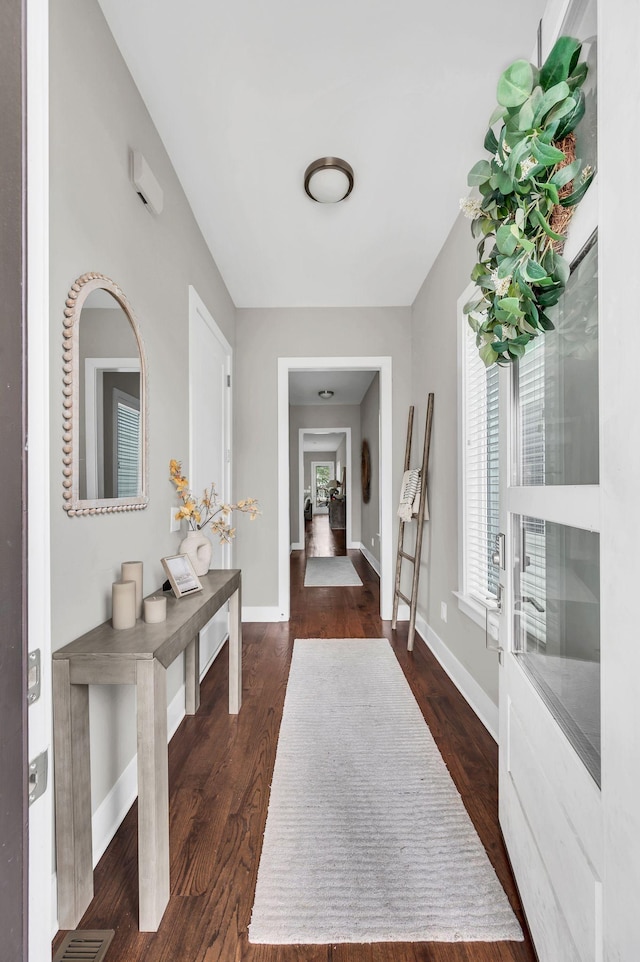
x,y
210,439
550,762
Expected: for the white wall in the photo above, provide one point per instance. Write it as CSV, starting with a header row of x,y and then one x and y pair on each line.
x,y
99,224
262,336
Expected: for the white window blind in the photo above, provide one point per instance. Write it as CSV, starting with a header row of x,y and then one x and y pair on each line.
x,y
481,470
127,449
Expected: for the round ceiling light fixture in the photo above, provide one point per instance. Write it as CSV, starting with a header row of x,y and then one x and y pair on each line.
x,y
326,394
328,180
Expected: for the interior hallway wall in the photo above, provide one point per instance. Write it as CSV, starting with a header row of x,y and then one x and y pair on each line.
x,y
264,335
98,223
370,430
435,368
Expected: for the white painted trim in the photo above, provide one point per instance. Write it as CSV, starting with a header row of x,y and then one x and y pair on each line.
x,y
264,614
462,428
471,608
297,546
42,887
301,453
475,696
198,309
576,505
371,559
385,366
404,612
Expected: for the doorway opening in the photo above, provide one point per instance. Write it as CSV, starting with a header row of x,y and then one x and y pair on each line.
x,y
317,371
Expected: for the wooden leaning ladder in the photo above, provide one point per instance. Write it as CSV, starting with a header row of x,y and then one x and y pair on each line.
x,y
402,554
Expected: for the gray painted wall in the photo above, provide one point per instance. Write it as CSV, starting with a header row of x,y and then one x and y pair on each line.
x,y
98,223
435,327
370,430
262,336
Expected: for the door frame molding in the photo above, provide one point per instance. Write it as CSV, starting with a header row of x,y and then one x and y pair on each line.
x,y
384,365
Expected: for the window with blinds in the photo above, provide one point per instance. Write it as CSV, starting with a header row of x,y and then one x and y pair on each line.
x,y
127,445
480,472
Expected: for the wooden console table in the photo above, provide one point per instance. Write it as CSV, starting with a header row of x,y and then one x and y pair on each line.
x,y
138,656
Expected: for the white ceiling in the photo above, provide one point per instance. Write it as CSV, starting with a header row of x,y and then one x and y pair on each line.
x,y
245,94
349,387
324,441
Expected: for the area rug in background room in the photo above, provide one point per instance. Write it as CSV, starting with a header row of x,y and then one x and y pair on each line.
x,y
367,838
330,572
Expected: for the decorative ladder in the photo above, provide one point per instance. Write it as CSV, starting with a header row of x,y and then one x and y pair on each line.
x,y
402,554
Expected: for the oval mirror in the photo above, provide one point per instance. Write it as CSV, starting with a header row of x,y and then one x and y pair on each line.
x,y
105,437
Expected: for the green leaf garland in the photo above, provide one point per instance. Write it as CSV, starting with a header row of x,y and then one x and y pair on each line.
x,y
520,272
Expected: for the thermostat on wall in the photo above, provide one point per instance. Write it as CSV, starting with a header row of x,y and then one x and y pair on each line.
x,y
145,183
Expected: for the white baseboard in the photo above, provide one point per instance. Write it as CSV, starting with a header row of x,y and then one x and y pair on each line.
x,y
373,561
266,613
297,546
472,692
108,816
403,611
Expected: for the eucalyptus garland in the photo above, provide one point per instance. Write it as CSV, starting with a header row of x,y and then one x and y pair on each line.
x,y
527,189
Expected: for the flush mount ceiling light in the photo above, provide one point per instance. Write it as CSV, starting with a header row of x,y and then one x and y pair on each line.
x,y
328,180
325,395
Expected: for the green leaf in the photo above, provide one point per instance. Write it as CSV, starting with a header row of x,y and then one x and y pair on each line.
x,y
554,95
506,240
515,84
578,76
507,265
565,174
515,349
533,271
562,268
529,109
498,114
546,323
477,271
471,305
561,62
536,217
545,154
578,194
519,217
479,173
549,298
511,306
559,111
571,121
552,192
490,141
488,355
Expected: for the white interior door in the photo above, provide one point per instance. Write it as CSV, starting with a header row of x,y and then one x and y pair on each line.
x,y
210,439
550,803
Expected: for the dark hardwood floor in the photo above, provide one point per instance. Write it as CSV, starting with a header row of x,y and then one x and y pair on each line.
x,y
220,770
322,541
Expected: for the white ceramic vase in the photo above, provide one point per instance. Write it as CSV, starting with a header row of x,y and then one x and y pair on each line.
x,y
199,549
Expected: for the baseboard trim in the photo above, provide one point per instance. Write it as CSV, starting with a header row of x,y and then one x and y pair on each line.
x,y
464,681
262,614
296,546
371,559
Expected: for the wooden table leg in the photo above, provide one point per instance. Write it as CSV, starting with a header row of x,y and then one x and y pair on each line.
x,y
73,796
235,651
192,676
153,794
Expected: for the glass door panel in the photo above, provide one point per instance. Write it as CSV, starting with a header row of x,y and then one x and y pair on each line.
x,y
557,388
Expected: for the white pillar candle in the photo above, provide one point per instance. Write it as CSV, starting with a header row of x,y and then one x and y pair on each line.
x,y
123,604
155,610
132,571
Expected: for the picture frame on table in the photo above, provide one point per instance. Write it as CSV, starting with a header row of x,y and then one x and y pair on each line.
x,y
182,577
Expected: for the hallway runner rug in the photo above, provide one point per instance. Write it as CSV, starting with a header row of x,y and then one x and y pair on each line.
x,y
331,572
367,838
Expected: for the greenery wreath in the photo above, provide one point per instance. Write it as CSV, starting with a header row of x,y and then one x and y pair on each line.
x,y
528,190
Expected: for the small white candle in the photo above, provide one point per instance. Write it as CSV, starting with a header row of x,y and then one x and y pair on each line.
x,y
132,571
155,610
123,604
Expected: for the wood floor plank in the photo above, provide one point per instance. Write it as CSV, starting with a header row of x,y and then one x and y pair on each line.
x,y
220,771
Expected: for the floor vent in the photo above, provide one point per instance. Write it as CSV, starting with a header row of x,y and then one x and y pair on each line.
x,y
84,945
